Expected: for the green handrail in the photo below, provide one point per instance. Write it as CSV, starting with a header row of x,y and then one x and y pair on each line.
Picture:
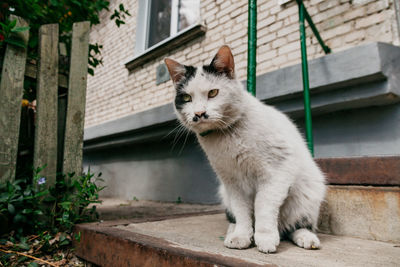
x,y
303,15
252,47
251,60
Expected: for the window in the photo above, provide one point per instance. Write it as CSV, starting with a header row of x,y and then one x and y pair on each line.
x,y
159,20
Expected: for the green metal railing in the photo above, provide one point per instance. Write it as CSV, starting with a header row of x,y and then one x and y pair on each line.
x,y
251,61
303,15
252,47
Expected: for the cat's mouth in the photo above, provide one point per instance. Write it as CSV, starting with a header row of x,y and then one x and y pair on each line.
x,y
202,125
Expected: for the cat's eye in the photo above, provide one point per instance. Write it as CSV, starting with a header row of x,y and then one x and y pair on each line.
x,y
186,98
213,93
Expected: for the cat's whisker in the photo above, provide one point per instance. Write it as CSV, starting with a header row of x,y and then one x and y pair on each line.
x,y
180,132
184,143
175,128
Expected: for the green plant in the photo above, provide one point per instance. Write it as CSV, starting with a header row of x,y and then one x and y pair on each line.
x,y
9,33
63,12
29,208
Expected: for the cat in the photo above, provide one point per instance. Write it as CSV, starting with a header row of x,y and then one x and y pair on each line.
x,y
269,183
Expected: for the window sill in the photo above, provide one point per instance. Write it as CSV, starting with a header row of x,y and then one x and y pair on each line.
x,y
165,46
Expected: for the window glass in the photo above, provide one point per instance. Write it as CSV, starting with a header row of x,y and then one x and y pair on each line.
x,y
189,13
168,17
160,21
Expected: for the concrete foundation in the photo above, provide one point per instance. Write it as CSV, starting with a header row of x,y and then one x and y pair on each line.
x,y
361,211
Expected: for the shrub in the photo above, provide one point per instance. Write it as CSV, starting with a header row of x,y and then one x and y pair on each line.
x,y
28,206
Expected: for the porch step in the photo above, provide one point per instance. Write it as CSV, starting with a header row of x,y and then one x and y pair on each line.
x,y
367,212
197,240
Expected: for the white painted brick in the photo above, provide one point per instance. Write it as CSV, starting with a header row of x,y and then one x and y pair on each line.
x,y
355,35
279,42
267,38
324,5
345,28
371,20
266,56
289,48
288,11
236,35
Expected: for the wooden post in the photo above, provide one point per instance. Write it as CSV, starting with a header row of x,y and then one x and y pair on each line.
x,y
73,141
11,91
45,151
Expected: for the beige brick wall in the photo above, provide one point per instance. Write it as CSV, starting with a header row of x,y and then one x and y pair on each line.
x,y
114,92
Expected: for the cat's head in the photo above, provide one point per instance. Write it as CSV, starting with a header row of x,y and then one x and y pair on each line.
x,y
207,97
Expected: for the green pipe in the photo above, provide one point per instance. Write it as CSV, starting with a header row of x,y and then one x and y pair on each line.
x,y
306,83
252,47
326,49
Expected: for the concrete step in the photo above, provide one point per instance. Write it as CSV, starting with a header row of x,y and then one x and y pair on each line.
x,y
362,211
197,240
358,211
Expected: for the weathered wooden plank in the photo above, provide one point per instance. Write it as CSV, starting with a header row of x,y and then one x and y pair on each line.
x,y
45,151
73,141
31,69
11,91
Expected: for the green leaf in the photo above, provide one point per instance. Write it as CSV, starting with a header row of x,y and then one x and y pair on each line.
x,y
38,212
24,246
91,71
66,205
19,218
20,29
33,264
16,42
11,208
12,24
78,236
42,193
26,211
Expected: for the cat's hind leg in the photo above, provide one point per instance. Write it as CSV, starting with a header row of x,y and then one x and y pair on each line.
x,y
304,238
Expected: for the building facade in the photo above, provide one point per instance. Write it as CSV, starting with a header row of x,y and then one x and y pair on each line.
x,y
117,90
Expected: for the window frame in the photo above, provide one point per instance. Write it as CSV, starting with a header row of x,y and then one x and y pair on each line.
x,y
142,32
142,55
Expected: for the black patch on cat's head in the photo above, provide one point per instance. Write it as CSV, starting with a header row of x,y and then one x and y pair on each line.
x,y
189,74
222,63
211,70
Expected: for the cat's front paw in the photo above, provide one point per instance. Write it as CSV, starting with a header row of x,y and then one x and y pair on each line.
x,y
306,239
236,240
267,242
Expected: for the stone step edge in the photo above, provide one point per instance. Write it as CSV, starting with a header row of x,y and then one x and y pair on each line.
x,y
105,245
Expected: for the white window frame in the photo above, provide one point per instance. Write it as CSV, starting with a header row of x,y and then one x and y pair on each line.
x,y
143,24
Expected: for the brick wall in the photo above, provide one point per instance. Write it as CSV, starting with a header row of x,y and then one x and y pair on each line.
x,y
114,92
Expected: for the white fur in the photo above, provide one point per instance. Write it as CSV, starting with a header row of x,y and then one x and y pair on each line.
x,y
263,164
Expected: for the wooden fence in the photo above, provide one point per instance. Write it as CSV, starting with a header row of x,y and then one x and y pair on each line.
x,y
47,147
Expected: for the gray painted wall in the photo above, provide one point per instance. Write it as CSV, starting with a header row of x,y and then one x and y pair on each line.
x,y
156,171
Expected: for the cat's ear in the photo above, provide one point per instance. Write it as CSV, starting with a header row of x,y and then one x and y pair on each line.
x,y
176,70
223,62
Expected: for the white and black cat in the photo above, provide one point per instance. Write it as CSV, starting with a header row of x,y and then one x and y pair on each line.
x,y
269,181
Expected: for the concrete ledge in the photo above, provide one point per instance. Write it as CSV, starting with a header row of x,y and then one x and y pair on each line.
x,y
346,68
106,245
359,77
361,170
198,241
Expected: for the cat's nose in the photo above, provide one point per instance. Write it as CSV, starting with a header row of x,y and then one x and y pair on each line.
x,y
200,114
